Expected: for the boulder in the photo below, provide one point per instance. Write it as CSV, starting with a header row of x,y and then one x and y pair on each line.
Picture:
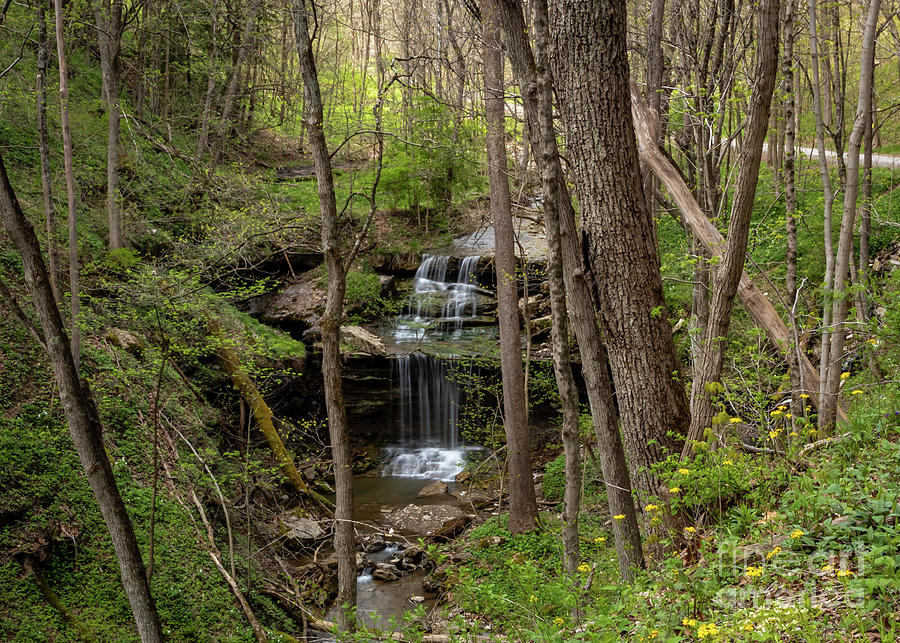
x,y
423,520
374,543
385,572
299,529
437,488
124,340
452,528
298,302
463,477
362,341
387,283
476,498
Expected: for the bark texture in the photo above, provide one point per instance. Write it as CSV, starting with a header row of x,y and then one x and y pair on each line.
x,y
522,501
533,75
344,534
591,72
81,415
110,25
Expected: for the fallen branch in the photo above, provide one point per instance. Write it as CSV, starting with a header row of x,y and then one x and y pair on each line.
x,y
753,299
263,416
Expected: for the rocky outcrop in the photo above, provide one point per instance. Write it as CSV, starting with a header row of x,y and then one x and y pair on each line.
x,y
298,303
436,488
423,520
358,339
299,531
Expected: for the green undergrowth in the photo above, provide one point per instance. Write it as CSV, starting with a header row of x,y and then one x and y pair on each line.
x,y
767,551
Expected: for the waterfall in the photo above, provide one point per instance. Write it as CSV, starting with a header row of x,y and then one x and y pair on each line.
x,y
429,401
428,396
425,314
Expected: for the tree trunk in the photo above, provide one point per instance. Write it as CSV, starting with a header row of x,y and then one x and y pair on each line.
x,y
828,195
81,414
262,414
522,502
109,29
790,202
344,534
591,71
559,219
74,287
848,218
44,146
203,137
232,90
728,274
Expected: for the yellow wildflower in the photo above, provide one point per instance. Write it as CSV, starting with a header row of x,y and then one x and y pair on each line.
x,y
753,572
651,507
776,413
653,634
689,622
856,392
584,567
690,530
813,431
793,434
827,568
599,539
558,621
773,434
872,341
735,420
619,517
788,415
674,489
532,599
727,462
844,573
845,375
808,408
748,627
684,472
782,407
804,396
707,629
774,552
797,533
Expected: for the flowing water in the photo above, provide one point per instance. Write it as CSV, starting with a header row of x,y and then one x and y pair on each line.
x,y
420,419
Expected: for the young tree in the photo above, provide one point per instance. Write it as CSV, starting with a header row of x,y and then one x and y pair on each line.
x,y
590,68
522,501
344,533
81,414
110,26
74,286
728,274
844,254
44,147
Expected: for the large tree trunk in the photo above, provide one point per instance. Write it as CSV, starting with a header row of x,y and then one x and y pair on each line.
x,y
44,147
109,30
559,220
74,287
522,502
591,71
81,415
203,136
344,534
728,274
844,255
